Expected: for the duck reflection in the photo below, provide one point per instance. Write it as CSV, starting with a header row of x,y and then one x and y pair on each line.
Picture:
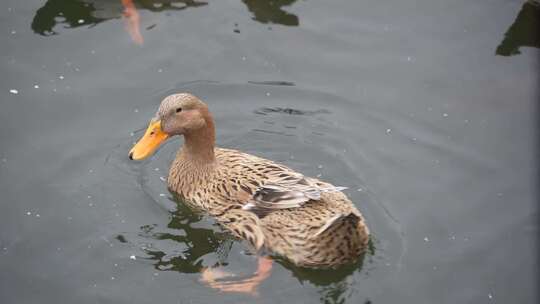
x,y
196,243
334,285
525,31
189,245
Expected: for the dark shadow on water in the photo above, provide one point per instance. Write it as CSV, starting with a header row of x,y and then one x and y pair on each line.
x,y
333,284
289,111
525,31
196,243
271,11
70,13
76,13
273,83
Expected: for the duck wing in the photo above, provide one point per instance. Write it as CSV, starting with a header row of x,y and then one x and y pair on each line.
x,y
290,191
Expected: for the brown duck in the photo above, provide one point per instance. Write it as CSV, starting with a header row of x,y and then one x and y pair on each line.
x,y
307,221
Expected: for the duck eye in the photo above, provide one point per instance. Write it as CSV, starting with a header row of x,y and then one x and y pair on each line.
x,y
178,110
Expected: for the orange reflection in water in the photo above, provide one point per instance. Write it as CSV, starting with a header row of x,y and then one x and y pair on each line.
x,y
131,19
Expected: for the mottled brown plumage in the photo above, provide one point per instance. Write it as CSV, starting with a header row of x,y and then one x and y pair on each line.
x,y
307,221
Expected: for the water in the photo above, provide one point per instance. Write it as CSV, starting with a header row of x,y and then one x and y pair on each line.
x,y
425,110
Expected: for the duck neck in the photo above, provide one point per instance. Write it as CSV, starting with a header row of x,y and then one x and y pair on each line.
x,y
199,145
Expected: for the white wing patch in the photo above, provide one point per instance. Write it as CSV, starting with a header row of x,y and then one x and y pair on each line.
x,y
291,191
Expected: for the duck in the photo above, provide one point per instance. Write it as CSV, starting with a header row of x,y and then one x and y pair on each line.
x,y
276,210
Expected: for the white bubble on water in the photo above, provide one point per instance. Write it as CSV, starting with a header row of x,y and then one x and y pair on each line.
x,y
160,70
80,21
28,213
61,77
388,131
490,296
13,91
136,110
13,32
267,93
162,194
36,86
426,239
162,178
445,114
132,257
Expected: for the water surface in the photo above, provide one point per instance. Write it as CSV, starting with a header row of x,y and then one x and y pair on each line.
x,y
425,110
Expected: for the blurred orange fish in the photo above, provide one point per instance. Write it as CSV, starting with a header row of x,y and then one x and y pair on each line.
x,y
131,19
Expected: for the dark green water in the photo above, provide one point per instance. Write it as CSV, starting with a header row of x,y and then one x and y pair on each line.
x,y
426,110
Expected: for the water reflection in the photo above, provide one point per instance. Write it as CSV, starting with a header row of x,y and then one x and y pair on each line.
x,y
76,13
69,13
187,247
271,11
525,31
192,244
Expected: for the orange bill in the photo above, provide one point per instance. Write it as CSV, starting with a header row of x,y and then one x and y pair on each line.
x,y
152,138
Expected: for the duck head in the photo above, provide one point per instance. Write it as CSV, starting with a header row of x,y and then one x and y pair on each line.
x,y
178,114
